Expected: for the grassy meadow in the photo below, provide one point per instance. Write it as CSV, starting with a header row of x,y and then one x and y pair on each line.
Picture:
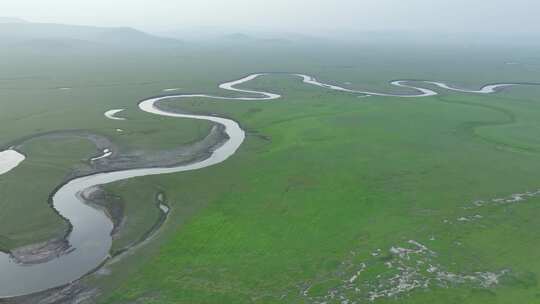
x,y
326,186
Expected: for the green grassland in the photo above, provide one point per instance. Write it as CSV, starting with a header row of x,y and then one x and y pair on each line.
x,y
323,181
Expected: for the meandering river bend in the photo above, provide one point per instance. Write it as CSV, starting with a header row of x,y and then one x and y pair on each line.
x,y
90,238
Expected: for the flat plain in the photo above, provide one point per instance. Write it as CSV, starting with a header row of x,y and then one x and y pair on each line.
x,y
332,197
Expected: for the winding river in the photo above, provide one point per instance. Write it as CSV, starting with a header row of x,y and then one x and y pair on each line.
x,y
90,238
111,114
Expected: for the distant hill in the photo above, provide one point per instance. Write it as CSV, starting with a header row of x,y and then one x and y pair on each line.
x,y
232,36
12,20
68,36
239,36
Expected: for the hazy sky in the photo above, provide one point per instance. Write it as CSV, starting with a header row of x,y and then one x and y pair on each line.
x,y
292,15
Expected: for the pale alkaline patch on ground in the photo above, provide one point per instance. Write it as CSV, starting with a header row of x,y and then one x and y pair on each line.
x,y
9,160
397,271
476,206
404,268
512,199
